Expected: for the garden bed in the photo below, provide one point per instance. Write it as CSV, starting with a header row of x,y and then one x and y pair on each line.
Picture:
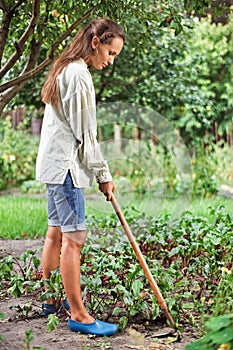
x,y
138,334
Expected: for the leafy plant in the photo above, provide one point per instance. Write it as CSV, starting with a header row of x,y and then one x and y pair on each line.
x,y
32,186
27,343
21,275
220,333
224,295
53,289
205,164
20,272
53,321
189,256
23,311
2,315
18,152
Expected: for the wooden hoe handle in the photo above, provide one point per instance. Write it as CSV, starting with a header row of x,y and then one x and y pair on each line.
x,y
142,261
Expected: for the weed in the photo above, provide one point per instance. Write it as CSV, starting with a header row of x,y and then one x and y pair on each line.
x,y
2,315
20,272
223,296
53,321
53,288
23,311
27,343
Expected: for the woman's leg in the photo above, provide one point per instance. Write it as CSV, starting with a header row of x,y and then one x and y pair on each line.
x,y
51,253
70,271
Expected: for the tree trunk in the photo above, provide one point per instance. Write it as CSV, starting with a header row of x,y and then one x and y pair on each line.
x,y
36,125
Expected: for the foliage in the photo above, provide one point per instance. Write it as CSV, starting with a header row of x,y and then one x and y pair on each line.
x,y
220,333
53,289
47,25
222,296
205,164
169,171
18,152
27,342
207,58
53,321
141,166
32,186
223,154
186,79
22,272
187,256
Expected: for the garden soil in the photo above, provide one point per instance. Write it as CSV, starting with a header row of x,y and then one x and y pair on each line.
x,y
136,336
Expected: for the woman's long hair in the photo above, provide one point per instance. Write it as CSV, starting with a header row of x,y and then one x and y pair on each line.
x,y
105,29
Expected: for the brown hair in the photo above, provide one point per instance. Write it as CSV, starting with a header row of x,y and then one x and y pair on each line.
x,y
105,29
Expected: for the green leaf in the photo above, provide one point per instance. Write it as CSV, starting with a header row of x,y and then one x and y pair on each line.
x,y
117,310
123,322
174,251
137,286
222,337
219,322
36,262
53,321
29,335
199,345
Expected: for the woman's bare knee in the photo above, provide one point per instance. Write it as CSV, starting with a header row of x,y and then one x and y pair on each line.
x,y
77,237
54,233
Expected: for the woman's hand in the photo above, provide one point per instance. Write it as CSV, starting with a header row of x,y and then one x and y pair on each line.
x,y
107,188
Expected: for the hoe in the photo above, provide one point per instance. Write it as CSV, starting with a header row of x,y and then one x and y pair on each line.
x,y
142,262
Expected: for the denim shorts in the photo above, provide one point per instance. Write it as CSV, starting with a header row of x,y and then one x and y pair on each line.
x,y
66,207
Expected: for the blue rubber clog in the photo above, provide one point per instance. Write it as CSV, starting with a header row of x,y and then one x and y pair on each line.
x,y
96,328
48,309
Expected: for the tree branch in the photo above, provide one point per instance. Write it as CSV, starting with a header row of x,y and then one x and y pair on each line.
x,y
3,6
6,20
11,88
34,54
17,4
20,45
28,74
11,92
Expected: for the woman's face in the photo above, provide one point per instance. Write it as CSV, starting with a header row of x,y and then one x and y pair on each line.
x,y
105,53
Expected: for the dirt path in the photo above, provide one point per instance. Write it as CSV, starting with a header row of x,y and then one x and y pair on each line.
x,y
12,330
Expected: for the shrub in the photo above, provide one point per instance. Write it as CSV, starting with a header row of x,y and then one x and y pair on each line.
x,y
18,150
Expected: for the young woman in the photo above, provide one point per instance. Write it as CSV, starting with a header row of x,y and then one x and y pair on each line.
x,y
69,158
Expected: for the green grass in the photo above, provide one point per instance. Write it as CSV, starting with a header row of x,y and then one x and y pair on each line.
x,y
157,207
23,216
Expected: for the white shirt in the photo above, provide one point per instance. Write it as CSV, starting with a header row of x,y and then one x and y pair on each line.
x,y
68,136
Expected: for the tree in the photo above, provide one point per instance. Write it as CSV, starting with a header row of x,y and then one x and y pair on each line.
x,y
186,78
34,32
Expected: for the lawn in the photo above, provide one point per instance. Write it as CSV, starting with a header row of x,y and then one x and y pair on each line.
x,y
25,216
